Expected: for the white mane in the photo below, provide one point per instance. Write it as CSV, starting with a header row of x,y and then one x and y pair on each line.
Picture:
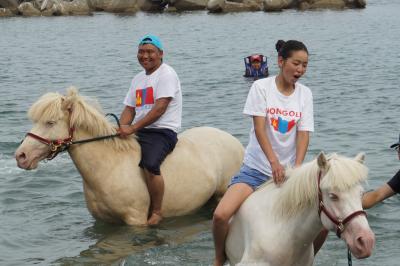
x,y
84,116
300,190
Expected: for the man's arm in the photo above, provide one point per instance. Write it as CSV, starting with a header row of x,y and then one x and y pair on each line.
x,y
159,108
302,140
127,116
371,198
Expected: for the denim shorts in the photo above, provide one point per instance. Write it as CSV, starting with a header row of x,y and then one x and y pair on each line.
x,y
249,176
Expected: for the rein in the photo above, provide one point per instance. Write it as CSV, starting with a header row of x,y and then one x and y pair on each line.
x,y
60,145
340,223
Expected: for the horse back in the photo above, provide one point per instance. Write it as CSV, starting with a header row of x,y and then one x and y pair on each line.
x,y
200,166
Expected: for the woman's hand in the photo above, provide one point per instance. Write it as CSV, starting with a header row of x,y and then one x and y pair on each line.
x,y
278,172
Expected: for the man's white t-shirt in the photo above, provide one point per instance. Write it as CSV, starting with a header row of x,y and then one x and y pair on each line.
x,y
146,89
285,115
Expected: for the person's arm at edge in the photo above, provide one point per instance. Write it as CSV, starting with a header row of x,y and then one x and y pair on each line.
x,y
262,138
371,198
302,141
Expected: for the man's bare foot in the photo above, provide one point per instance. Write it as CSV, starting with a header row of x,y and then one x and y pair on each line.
x,y
155,218
219,262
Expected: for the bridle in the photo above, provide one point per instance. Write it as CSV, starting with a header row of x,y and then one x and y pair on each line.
x,y
56,146
340,223
59,145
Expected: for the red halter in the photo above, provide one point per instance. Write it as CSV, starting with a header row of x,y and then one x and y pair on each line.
x,y
340,223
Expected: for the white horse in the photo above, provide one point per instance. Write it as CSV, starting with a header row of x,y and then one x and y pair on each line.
x,y
200,166
276,225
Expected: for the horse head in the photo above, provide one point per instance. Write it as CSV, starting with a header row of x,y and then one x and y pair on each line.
x,y
50,116
57,120
340,205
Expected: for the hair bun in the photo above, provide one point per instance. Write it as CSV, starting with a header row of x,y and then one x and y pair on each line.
x,y
279,44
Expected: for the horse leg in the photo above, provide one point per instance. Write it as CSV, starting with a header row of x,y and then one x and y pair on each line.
x,y
319,240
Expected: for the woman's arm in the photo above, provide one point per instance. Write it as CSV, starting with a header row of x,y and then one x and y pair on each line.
x,y
278,171
302,140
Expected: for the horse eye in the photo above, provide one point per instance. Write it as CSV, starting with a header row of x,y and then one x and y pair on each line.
x,y
333,197
50,123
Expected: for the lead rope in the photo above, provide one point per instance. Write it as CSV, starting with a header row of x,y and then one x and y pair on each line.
x,y
349,257
98,138
115,117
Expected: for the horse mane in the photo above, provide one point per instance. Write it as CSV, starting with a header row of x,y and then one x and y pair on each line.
x,y
47,108
300,190
86,115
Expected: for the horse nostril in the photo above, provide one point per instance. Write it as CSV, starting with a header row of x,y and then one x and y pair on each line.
x,y
362,242
21,156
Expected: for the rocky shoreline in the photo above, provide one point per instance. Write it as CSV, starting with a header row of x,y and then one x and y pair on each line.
x,y
28,8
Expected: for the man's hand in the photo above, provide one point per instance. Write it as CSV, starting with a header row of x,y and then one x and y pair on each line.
x,y
126,130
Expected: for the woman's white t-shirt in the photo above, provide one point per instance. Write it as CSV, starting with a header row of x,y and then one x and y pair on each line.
x,y
284,115
145,89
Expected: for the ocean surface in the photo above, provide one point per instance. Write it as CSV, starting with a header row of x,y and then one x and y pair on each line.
x,y
353,73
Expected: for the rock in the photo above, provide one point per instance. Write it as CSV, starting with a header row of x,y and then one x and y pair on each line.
x,y
229,6
152,5
275,5
44,4
330,4
116,6
27,9
183,5
215,6
11,4
356,3
171,9
241,7
64,8
122,6
304,5
77,7
84,7
50,10
5,12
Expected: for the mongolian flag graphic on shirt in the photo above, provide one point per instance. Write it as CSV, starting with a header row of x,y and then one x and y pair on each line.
x,y
144,96
282,125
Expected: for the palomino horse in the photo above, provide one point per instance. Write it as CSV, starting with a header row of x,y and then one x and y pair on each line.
x,y
276,225
200,166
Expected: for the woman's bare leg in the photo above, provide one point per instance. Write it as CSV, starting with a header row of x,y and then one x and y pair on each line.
x,y
229,204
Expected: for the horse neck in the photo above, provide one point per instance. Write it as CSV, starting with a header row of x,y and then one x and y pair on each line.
x,y
297,230
306,226
296,202
300,191
100,155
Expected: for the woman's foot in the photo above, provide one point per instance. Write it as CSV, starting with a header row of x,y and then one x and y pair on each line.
x,y
155,218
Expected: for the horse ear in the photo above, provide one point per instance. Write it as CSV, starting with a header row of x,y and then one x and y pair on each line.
x,y
360,157
72,93
322,161
66,103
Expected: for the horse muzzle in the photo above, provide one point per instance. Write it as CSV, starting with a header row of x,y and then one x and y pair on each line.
x,y
361,244
27,161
